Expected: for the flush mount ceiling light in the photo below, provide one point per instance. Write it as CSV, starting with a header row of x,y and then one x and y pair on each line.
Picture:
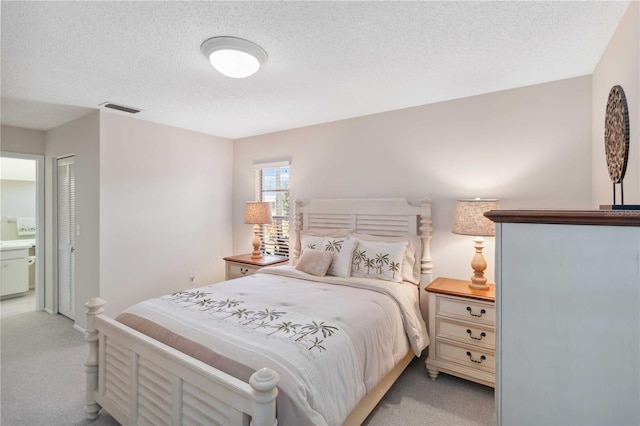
x,y
234,57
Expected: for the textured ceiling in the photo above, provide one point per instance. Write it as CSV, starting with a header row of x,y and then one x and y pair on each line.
x,y
327,60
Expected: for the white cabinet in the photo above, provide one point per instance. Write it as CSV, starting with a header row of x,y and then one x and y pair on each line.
x,y
15,271
568,317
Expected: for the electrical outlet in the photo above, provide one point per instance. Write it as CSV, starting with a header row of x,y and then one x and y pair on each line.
x,y
192,280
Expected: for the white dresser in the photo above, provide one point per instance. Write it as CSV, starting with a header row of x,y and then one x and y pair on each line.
x,y
568,317
462,330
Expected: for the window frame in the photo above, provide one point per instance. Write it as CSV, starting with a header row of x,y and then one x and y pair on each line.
x,y
280,245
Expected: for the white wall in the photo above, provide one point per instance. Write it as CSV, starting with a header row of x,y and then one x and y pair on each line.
x,y
529,147
620,64
79,137
18,200
165,209
23,141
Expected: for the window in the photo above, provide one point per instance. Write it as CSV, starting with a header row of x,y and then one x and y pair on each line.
x,y
272,185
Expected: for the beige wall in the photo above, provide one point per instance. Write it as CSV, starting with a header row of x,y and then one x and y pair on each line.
x,y
165,209
619,65
529,147
23,141
79,137
153,207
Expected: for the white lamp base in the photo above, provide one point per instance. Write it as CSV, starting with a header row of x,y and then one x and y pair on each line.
x,y
256,254
478,280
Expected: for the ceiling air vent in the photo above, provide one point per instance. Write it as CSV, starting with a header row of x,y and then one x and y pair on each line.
x,y
120,108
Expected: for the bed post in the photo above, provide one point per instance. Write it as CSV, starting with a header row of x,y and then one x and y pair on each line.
x,y
297,227
264,382
426,228
94,307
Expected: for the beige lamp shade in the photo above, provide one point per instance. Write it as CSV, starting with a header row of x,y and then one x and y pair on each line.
x,y
469,217
257,213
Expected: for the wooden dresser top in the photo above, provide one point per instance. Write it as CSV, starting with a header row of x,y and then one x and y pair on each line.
x,y
456,287
568,217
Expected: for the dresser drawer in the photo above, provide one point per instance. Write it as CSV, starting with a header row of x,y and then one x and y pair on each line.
x,y
468,333
477,358
239,270
469,310
14,254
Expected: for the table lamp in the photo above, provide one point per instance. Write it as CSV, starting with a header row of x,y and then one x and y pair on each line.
x,y
469,219
257,213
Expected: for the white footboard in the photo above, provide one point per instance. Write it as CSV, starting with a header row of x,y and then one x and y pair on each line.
x,y
139,380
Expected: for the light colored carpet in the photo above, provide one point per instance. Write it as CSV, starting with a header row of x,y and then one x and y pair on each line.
x,y
43,382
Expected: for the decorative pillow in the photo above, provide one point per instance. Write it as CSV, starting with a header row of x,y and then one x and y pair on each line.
x,y
310,242
315,262
380,260
411,264
343,252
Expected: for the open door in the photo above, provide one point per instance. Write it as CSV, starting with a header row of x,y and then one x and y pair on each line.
x,y
23,197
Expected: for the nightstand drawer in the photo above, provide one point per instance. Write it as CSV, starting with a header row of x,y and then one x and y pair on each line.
x,y
467,333
468,310
239,270
471,357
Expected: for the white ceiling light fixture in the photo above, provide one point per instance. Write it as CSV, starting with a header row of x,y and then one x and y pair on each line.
x,y
234,57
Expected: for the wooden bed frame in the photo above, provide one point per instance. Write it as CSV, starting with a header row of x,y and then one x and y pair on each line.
x,y
140,380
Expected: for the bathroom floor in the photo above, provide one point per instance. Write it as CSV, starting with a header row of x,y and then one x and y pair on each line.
x,y
18,305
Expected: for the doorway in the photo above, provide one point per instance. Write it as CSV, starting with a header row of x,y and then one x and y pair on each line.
x,y
22,217
65,221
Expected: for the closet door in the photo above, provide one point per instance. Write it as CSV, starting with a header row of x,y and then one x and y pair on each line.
x,y
66,236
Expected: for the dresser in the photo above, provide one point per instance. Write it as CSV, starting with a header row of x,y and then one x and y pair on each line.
x,y
243,265
462,331
568,317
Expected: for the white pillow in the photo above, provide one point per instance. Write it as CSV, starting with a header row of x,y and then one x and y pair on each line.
x,y
343,252
411,264
311,242
315,262
379,260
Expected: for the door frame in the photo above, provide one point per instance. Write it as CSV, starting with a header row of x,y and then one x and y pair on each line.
x,y
40,221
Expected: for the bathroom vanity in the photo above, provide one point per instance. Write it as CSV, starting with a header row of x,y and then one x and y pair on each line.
x,y
14,266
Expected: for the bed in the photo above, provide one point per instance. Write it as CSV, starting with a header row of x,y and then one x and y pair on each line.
x,y
305,354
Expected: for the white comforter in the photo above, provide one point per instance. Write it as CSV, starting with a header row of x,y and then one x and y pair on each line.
x,y
330,339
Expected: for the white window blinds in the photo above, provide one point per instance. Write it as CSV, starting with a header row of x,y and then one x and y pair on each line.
x,y
272,186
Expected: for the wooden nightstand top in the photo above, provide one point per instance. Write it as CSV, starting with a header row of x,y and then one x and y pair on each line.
x,y
264,261
455,287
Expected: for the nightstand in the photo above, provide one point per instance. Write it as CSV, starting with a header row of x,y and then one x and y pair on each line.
x,y
242,265
462,331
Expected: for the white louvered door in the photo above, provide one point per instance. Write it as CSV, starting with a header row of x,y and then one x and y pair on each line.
x,y
66,236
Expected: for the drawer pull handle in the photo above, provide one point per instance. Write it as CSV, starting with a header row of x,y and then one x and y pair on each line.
x,y
482,312
244,270
483,334
482,358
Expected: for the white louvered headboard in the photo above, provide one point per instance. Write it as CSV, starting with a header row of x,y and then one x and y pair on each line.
x,y
375,216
